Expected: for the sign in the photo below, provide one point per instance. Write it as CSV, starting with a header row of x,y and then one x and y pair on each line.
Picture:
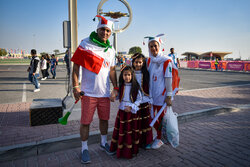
x,y
204,64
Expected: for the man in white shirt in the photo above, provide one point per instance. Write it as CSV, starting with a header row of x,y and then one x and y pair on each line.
x,y
174,57
97,58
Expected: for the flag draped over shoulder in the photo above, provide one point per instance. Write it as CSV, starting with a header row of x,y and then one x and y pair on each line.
x,y
87,58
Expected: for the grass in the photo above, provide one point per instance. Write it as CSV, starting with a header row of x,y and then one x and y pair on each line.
x,y
14,61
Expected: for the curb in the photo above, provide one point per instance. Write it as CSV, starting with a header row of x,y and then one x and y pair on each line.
x,y
72,141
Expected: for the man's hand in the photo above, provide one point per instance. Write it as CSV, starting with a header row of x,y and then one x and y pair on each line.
x,y
77,94
33,74
113,95
168,101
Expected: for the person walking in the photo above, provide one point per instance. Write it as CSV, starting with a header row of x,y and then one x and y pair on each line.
x,y
216,63
48,64
34,70
43,67
174,57
97,58
53,62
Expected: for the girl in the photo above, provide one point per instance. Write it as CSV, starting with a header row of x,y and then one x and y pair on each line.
x,y
142,77
125,139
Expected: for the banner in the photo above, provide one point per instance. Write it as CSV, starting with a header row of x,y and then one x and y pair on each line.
x,y
235,66
204,64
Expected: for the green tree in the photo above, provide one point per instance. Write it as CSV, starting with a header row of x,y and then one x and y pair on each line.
x,y
135,49
3,52
56,51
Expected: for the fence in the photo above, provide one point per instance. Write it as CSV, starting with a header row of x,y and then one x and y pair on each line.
x,y
223,65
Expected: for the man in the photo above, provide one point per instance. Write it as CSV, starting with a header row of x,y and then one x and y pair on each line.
x,y
53,62
97,58
174,57
66,60
34,70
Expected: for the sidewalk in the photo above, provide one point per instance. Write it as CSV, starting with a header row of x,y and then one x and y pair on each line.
x,y
218,141
15,128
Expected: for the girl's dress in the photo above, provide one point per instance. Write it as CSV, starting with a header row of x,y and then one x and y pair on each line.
x,y
126,134
146,135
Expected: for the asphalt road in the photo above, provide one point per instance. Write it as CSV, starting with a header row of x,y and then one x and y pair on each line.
x,y
15,87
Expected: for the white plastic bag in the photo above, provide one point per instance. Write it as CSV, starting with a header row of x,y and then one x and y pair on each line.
x,y
170,132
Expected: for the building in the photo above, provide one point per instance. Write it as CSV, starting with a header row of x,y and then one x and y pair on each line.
x,y
212,55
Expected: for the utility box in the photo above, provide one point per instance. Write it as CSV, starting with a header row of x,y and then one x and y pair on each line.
x,y
45,111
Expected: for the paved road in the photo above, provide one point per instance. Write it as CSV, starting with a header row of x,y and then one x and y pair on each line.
x,y
14,86
217,141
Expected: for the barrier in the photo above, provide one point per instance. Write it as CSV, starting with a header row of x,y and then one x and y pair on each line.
x,y
223,65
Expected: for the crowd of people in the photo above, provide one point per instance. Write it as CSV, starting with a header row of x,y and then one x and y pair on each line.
x,y
43,65
144,87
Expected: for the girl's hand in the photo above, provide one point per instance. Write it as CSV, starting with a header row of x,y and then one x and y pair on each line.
x,y
149,106
128,109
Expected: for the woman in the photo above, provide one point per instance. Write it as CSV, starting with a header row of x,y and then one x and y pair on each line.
x,y
160,68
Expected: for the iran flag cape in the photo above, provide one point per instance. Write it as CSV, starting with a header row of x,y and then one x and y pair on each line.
x,y
86,55
175,76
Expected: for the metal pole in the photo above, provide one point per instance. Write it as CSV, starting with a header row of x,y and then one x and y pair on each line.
x,y
73,30
115,43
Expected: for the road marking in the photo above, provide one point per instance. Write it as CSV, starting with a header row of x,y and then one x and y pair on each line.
x,y
24,93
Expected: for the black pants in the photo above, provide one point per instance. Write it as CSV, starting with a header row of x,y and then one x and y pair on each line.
x,y
44,73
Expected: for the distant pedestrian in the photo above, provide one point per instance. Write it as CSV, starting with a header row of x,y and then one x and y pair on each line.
x,y
34,70
216,64
53,66
174,57
43,67
48,65
66,60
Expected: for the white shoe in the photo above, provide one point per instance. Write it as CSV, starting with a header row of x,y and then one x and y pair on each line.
x,y
43,79
37,90
157,144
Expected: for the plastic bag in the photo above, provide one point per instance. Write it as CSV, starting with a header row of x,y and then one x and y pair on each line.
x,y
170,131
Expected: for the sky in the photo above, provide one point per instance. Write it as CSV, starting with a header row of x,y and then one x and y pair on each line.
x,y
188,25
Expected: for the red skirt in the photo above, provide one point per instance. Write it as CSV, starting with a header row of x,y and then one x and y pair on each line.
x,y
126,135
146,135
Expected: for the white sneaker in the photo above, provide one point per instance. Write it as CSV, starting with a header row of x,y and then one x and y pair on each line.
x,y
37,90
43,79
157,144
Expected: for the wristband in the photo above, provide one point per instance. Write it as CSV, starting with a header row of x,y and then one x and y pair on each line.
x,y
116,88
76,87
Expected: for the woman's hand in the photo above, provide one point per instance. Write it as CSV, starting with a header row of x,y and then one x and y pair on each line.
x,y
168,101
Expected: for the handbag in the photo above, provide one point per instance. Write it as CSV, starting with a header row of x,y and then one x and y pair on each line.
x,y
170,131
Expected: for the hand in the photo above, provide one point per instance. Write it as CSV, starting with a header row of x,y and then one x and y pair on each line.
x,y
77,94
33,74
168,101
128,109
149,106
113,95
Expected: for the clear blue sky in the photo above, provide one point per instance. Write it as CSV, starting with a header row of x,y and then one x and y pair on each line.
x,y
189,25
